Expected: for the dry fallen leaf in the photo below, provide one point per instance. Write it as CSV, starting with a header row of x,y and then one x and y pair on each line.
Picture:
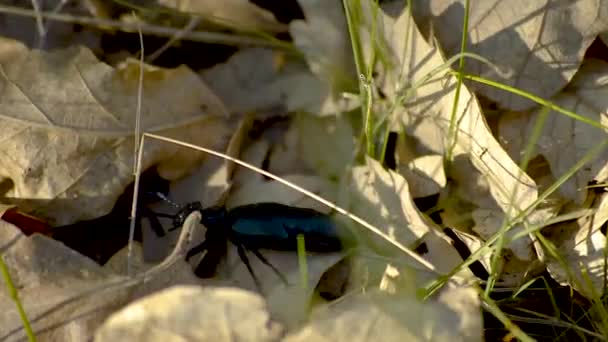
x,y
46,273
326,144
192,313
539,44
255,154
382,198
179,274
454,317
482,174
250,81
324,40
212,181
564,140
581,246
240,15
66,295
426,117
273,191
285,156
68,126
425,175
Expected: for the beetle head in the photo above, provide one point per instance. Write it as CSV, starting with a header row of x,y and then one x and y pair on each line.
x,y
180,217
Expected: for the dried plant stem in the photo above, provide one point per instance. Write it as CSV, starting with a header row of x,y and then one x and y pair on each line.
x,y
194,21
39,22
148,29
138,145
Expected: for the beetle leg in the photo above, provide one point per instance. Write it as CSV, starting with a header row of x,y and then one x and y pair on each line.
x,y
264,260
201,247
245,260
163,215
155,224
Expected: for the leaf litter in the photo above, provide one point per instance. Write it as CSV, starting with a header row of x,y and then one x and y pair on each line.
x,y
72,166
479,190
541,45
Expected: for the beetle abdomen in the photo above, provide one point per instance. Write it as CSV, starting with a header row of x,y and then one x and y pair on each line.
x,y
276,226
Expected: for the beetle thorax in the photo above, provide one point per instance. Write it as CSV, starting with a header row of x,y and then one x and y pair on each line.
x,y
214,217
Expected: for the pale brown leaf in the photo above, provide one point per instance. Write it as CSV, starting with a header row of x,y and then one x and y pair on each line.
x,y
68,128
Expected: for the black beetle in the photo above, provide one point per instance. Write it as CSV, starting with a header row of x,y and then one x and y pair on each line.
x,y
261,225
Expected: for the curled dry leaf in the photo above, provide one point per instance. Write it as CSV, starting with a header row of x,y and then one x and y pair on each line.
x,y
211,182
455,316
519,261
240,15
192,313
285,161
425,175
382,197
68,128
273,191
291,304
473,243
441,253
179,274
580,247
254,154
46,273
538,45
564,140
66,295
428,101
285,156
488,222
482,173
324,40
251,80
326,144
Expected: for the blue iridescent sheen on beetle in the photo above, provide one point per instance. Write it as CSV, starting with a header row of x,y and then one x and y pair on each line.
x,y
261,226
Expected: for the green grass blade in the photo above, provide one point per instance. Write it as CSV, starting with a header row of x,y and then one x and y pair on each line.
x,y
536,99
492,308
15,296
435,285
302,262
453,130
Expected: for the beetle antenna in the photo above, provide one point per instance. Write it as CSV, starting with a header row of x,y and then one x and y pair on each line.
x,y
166,199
